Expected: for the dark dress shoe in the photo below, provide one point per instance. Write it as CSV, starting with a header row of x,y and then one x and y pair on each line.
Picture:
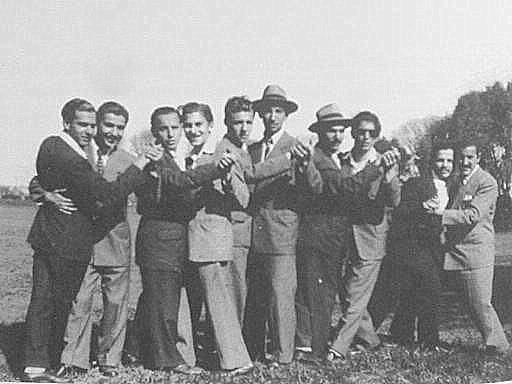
x,y
71,371
108,370
309,358
240,371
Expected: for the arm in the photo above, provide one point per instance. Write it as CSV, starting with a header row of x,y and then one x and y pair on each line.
x,y
40,195
193,178
479,207
341,183
268,168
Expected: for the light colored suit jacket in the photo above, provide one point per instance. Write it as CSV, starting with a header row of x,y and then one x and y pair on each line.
x,y
470,232
275,201
210,232
114,249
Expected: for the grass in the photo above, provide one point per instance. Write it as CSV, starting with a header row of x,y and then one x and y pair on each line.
x,y
464,363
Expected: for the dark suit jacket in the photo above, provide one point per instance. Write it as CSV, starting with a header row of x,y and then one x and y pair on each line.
x,y
325,221
470,231
276,201
72,236
415,236
166,207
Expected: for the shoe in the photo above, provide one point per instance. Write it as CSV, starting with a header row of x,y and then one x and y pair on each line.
x,y
71,371
334,356
303,349
309,358
46,377
492,350
185,369
241,370
108,370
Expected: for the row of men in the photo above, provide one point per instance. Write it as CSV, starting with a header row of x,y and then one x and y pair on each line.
x,y
221,203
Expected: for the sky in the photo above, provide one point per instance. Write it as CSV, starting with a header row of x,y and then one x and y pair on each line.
x,y
402,59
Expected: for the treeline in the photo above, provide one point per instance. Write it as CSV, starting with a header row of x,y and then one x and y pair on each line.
x,y
481,116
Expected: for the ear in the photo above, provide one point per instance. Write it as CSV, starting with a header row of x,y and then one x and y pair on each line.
x,y
66,125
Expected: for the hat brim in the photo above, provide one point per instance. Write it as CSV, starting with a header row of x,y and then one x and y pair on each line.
x,y
287,105
321,125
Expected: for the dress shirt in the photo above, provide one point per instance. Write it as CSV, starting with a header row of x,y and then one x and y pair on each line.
x,y
465,179
269,143
441,192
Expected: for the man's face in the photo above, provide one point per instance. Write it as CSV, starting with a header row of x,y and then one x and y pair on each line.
x,y
197,128
82,128
240,126
469,159
498,151
111,130
365,136
167,131
330,139
443,163
273,118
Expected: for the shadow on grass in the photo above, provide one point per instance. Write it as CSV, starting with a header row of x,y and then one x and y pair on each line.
x,y
12,341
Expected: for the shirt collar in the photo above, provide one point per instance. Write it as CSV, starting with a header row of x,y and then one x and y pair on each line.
x,y
370,157
72,143
276,136
465,179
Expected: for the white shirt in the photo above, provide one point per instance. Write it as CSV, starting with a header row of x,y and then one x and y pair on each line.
x,y
441,192
72,143
270,143
357,166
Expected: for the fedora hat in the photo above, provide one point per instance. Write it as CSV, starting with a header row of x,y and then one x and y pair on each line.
x,y
275,95
327,116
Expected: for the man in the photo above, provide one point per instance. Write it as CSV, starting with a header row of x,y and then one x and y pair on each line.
x,y
470,244
416,252
63,243
110,264
369,217
324,233
161,246
501,169
275,204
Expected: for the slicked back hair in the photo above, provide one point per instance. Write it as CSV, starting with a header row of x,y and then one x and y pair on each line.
x,y
366,116
203,109
75,105
114,108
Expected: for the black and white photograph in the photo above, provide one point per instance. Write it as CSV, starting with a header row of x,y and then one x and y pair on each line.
x,y
256,192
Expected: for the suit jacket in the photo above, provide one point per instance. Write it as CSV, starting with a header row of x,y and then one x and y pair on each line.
x,y
415,235
114,250
72,236
276,200
210,231
325,221
166,207
470,231
370,217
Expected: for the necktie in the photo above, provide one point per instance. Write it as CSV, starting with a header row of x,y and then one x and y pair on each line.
x,y
268,147
100,164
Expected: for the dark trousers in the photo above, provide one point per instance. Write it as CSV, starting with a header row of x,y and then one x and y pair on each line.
x,y
318,275
55,284
419,298
157,318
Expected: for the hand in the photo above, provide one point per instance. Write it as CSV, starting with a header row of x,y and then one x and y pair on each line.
x,y
300,152
226,161
64,204
390,158
391,173
150,153
432,205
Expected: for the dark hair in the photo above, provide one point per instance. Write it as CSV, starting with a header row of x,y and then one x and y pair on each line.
x,y
439,146
111,107
237,104
366,116
470,142
163,111
203,109
74,105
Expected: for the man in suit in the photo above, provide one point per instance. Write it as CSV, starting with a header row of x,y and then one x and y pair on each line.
x,y
470,243
275,205
63,243
110,264
416,252
369,217
166,208
325,232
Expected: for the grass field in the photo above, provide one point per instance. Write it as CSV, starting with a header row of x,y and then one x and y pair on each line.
x,y
464,363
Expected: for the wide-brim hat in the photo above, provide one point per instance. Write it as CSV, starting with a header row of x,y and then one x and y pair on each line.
x,y
275,95
328,116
